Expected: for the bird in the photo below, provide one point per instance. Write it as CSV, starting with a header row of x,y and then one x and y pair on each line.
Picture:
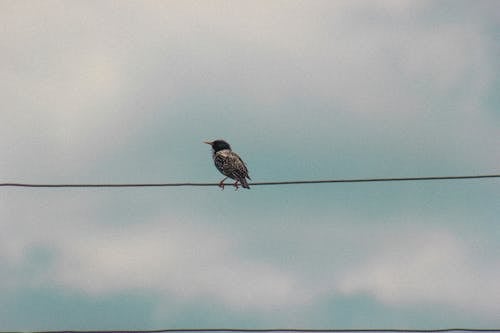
x,y
229,163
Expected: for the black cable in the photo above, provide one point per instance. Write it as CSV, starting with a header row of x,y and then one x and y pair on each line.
x,y
295,330
292,182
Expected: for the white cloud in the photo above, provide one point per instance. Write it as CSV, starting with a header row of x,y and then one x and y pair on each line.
x,y
172,258
80,80
425,266
394,261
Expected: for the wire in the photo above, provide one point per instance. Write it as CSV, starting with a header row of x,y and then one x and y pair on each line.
x,y
292,182
243,330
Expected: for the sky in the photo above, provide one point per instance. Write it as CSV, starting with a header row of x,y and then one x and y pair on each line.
x,y
126,91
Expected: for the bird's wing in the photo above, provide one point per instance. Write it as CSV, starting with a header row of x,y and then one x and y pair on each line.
x,y
230,164
240,166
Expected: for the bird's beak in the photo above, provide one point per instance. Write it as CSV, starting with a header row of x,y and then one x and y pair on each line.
x,y
208,142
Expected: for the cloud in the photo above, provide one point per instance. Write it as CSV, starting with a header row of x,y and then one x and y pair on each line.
x,y
82,81
424,266
173,258
66,241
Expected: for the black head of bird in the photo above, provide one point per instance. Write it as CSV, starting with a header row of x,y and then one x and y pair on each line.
x,y
229,163
218,145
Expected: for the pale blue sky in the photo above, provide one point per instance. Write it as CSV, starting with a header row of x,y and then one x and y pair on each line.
x,y
126,91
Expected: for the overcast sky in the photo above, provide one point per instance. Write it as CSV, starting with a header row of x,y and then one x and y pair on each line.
x,y
126,91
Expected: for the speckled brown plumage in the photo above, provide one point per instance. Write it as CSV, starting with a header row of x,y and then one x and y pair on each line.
x,y
229,163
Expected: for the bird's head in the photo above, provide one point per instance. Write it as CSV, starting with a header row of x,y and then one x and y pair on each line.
x,y
218,145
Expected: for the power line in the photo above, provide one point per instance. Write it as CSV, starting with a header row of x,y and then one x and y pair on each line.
x,y
291,182
266,330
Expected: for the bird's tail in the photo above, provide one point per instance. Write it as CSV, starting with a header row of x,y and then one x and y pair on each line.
x,y
244,183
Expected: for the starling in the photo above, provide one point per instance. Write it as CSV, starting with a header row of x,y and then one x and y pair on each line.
x,y
229,163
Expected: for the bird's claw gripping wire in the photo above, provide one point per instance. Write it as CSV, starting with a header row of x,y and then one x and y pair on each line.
x,y
221,184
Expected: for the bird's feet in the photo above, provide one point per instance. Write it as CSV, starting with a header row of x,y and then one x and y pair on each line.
x,y
236,186
221,184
